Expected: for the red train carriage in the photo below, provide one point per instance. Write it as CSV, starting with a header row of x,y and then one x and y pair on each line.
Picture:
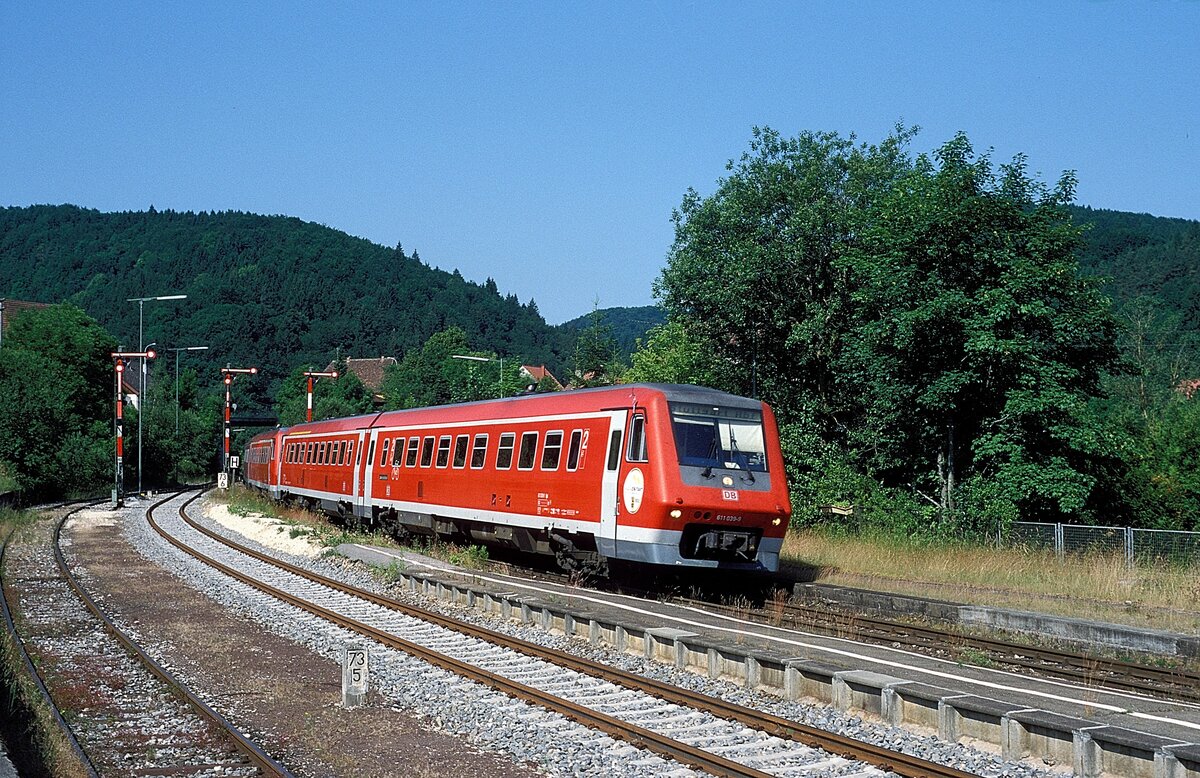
x,y
658,474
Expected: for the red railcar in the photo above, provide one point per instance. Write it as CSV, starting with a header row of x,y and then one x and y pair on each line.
x,y
657,474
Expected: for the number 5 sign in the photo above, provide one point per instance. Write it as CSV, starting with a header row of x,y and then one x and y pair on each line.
x,y
354,676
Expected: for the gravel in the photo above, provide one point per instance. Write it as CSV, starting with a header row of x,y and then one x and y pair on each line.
x,y
558,745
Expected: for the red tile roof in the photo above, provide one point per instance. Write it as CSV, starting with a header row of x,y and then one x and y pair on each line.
x,y
11,309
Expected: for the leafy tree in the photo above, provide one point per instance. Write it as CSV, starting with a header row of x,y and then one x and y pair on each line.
x,y
670,354
56,375
920,322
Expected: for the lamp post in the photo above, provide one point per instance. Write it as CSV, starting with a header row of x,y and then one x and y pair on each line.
x,y
119,358
227,373
499,380
313,376
141,301
177,350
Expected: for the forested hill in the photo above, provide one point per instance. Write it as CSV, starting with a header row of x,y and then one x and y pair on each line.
x,y
625,325
1145,255
271,291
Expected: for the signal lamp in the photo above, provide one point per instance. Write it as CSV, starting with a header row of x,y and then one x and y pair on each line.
x,y
675,514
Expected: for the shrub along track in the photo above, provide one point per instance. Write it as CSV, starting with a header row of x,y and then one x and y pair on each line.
x,y
881,758
129,713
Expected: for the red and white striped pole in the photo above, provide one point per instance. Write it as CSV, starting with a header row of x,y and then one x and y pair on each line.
x,y
119,429
312,376
227,374
119,358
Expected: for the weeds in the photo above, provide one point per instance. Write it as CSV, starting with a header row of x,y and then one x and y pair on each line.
x,y
973,656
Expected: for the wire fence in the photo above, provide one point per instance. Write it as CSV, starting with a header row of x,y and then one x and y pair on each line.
x,y
1136,545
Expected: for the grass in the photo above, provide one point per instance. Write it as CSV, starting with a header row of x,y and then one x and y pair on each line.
x,y
1095,586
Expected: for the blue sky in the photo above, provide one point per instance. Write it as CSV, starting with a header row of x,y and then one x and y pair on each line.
x,y
546,144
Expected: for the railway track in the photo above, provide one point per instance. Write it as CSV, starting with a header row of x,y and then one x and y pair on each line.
x,y
1091,671
125,712
668,720
1173,683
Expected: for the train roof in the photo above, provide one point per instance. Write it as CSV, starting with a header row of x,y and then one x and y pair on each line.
x,y
573,401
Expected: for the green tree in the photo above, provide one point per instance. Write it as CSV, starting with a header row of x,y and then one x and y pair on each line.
x,y
671,355
921,322
56,375
597,355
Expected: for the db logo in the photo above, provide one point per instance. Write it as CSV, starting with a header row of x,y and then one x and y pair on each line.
x,y
729,494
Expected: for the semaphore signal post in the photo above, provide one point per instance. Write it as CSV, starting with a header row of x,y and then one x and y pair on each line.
x,y
119,358
227,374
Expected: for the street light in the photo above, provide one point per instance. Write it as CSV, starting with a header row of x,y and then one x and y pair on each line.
x,y
499,380
119,358
141,301
177,350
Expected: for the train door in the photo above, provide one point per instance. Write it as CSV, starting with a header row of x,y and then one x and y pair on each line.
x,y
363,452
631,463
610,500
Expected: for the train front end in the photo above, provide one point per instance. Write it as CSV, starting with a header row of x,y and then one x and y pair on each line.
x,y
719,493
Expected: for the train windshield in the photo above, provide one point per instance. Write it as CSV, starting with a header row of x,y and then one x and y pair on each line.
x,y
713,437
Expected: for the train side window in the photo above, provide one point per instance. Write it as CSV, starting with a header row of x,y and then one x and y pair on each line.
x,y
335,458
552,451
325,452
443,457
460,450
350,453
414,446
528,453
505,451
573,450
398,453
637,440
370,452
320,453
427,452
384,451
344,453
479,452
614,450
308,453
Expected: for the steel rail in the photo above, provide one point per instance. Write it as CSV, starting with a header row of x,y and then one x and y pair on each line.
x,y
27,660
631,733
893,761
256,756
1089,670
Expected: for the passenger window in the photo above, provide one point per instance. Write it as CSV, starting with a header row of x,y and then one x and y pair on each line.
x,y
614,450
443,458
427,452
339,449
505,451
460,450
637,440
573,451
398,453
552,450
350,453
479,452
384,451
414,446
308,454
370,452
528,453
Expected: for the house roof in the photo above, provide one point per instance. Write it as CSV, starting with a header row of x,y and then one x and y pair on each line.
x,y
11,309
540,372
369,370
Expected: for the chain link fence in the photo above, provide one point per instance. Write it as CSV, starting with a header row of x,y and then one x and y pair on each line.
x,y
1136,545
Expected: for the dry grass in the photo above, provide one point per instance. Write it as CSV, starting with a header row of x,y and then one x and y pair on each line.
x,y
1096,586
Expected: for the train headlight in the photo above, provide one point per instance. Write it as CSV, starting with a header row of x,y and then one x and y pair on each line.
x,y
675,514
776,521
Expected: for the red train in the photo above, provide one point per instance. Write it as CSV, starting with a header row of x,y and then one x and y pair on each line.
x,y
646,473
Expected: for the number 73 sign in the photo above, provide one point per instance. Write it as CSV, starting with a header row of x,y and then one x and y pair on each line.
x,y
354,676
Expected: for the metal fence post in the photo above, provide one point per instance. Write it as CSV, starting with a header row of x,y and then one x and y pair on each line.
x,y
1059,548
1129,547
